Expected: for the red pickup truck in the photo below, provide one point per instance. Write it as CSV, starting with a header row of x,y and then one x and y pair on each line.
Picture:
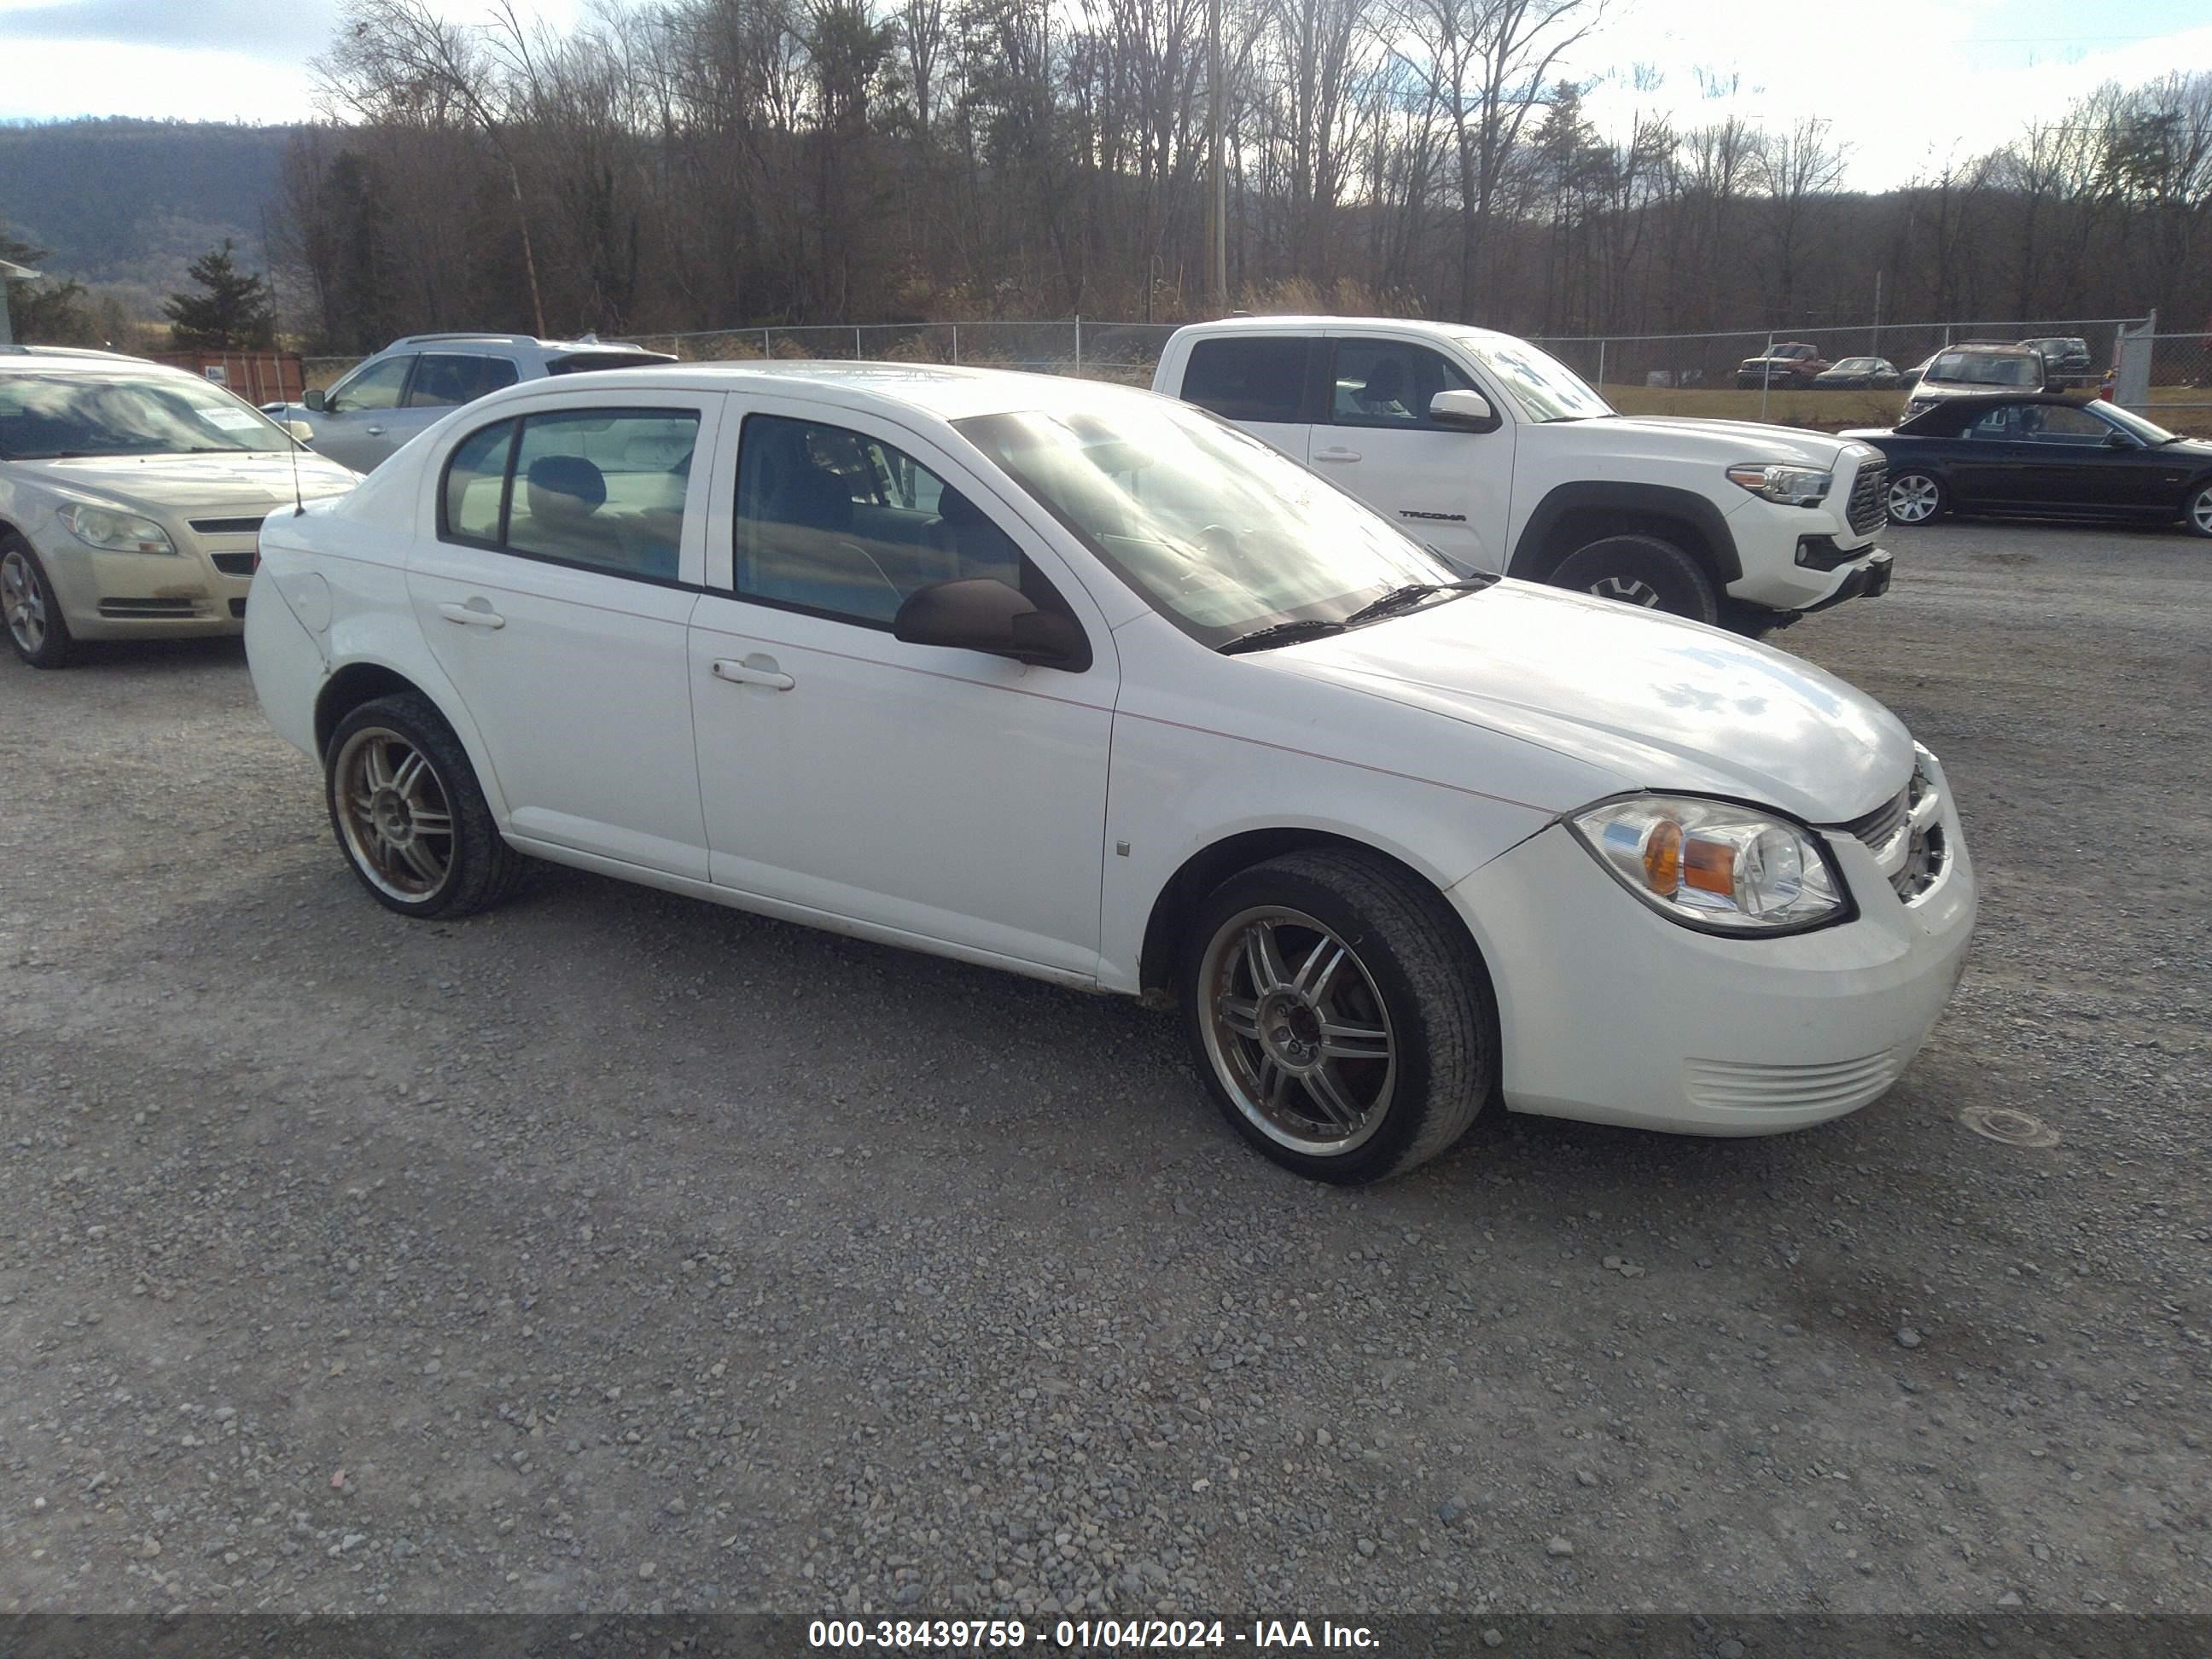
x,y
1793,364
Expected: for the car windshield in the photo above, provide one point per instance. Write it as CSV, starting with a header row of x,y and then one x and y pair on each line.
x,y
1543,388
1855,363
1220,533
49,416
1977,368
2128,421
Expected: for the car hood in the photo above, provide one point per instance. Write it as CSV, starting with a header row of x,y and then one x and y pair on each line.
x,y
1728,442
1660,703
161,484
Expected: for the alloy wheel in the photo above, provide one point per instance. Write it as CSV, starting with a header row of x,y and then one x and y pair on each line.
x,y
22,602
2200,512
1629,590
1297,1031
1912,498
394,814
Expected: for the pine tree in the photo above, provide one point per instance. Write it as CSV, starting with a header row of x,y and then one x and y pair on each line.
x,y
44,311
238,312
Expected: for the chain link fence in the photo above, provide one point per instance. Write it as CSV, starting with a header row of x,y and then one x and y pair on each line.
x,y
1698,375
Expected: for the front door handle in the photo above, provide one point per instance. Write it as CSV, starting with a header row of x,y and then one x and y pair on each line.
x,y
476,613
756,670
375,432
1337,453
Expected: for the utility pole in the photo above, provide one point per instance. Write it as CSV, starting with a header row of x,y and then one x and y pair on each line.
x,y
1218,191
1876,347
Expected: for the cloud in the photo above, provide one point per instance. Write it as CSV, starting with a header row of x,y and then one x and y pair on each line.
x,y
252,28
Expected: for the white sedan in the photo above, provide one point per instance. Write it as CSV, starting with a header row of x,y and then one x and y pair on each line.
x,y
1082,682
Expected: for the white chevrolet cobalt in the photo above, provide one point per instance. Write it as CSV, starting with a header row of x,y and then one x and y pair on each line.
x,y
1084,683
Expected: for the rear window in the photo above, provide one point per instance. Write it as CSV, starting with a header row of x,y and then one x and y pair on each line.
x,y
1980,368
1258,379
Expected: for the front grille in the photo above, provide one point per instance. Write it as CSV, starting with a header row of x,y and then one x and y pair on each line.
x,y
1905,836
1840,1085
230,527
123,609
1870,504
235,564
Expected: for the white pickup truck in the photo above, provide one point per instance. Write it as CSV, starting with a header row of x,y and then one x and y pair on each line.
x,y
1502,458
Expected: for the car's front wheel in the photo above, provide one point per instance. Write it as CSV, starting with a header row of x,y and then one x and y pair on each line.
x,y
1915,496
1641,570
1339,1014
34,615
2197,514
408,811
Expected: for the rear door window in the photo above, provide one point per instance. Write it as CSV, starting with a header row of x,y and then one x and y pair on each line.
x,y
448,380
1258,378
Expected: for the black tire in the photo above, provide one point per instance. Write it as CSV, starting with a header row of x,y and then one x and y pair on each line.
x,y
478,868
32,614
2197,511
1916,496
1408,967
1641,570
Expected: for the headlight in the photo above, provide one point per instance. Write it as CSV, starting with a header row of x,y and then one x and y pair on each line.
x,y
1793,486
1713,865
117,532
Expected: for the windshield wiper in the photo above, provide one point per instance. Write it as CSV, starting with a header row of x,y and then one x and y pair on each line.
x,y
1403,599
1260,639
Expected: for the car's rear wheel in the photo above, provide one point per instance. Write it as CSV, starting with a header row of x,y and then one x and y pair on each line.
x,y
1340,1018
1641,570
408,811
33,613
1916,496
2197,515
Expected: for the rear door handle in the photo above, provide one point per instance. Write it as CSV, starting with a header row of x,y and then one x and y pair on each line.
x,y
1336,454
756,670
476,613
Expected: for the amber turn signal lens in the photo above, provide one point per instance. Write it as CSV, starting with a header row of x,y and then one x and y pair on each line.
x,y
1710,866
1662,858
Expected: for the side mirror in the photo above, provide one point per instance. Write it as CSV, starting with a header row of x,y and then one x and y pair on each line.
x,y
1467,409
984,614
2118,440
301,430
316,399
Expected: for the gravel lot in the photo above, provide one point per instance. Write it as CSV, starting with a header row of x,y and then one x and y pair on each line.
x,y
614,1251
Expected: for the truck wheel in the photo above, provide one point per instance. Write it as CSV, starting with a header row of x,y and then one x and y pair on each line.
x,y
1641,570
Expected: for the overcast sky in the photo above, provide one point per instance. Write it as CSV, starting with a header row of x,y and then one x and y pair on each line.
x,y
1907,83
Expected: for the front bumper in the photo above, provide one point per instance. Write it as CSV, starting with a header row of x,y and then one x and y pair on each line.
x,y
1866,581
115,596
1610,1013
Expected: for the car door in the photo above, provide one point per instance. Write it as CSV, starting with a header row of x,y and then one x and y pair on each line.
x,y
1262,382
1443,485
1988,462
948,795
555,588
443,382
359,412
2079,468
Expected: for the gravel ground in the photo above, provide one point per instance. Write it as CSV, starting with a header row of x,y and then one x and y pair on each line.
x,y
613,1251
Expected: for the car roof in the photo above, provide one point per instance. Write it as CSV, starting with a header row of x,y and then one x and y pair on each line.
x,y
1988,347
1311,324
83,361
949,394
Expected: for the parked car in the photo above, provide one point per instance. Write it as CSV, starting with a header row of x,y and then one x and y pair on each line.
x,y
1504,459
1858,374
2051,457
412,382
131,499
2066,357
1973,371
1793,364
1068,679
